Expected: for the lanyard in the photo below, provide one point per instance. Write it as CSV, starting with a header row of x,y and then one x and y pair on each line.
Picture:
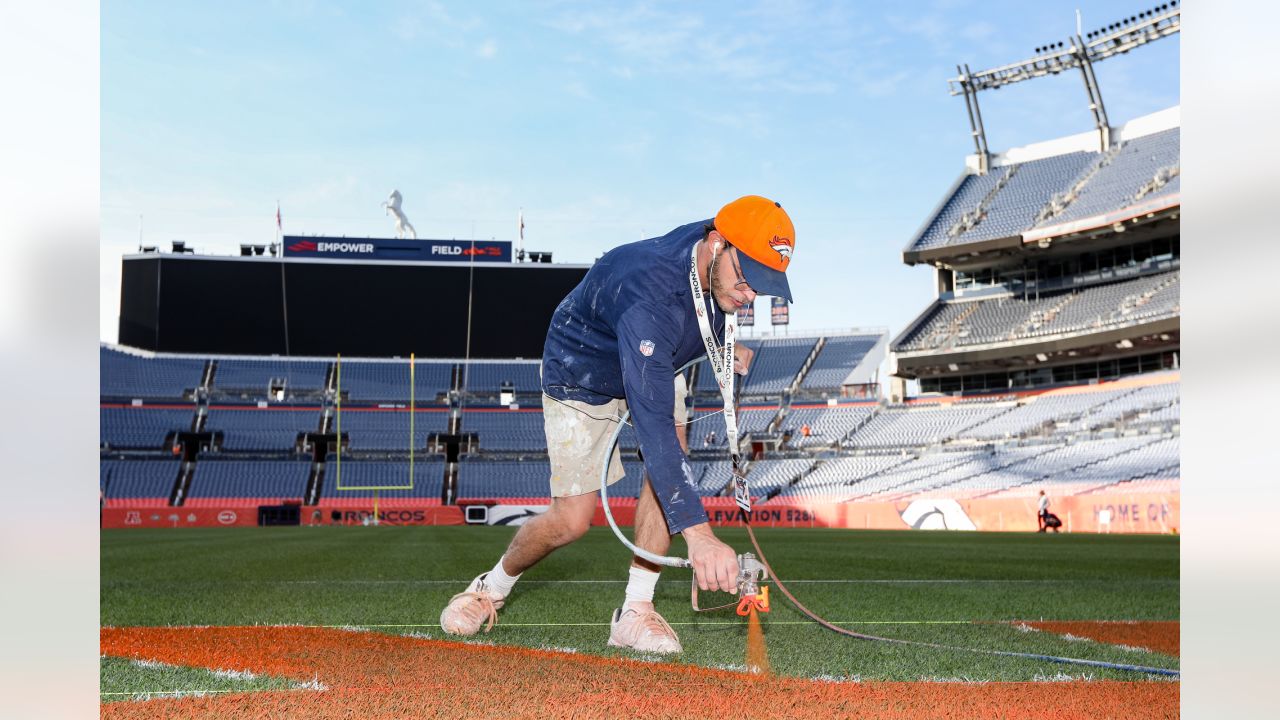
x,y
721,359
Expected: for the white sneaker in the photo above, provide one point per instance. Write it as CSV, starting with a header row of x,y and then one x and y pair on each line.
x,y
639,627
470,609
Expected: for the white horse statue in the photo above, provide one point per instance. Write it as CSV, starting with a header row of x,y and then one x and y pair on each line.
x,y
402,223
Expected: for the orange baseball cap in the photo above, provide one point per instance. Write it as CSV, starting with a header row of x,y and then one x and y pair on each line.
x,y
765,238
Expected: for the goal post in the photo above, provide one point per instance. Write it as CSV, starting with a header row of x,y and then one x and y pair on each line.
x,y
337,469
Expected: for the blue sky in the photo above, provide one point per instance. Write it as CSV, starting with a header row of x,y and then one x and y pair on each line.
x,y
606,123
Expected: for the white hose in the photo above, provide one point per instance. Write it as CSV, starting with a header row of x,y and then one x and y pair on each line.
x,y
604,496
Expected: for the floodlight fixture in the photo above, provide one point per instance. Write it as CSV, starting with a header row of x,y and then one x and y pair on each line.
x,y
1076,53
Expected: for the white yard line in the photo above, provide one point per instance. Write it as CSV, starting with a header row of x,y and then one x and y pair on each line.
x,y
143,695
617,581
242,675
367,626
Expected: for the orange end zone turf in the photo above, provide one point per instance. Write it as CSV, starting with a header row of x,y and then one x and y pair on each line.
x,y
1160,636
370,675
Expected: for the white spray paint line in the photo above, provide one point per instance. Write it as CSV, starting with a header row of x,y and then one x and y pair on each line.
x,y
365,627
243,675
837,678
614,581
144,695
235,674
1133,648
1061,677
371,626
961,680
312,684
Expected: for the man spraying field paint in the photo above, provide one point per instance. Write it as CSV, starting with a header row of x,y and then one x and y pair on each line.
x,y
614,344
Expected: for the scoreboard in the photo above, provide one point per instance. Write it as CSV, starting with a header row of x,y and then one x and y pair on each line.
x,y
322,307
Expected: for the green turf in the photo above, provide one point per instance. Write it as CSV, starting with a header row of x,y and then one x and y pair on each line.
x,y
930,586
123,679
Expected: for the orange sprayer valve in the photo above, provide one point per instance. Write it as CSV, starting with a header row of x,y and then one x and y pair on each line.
x,y
759,602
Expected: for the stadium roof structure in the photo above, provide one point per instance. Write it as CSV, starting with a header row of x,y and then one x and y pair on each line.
x,y
1049,192
1132,339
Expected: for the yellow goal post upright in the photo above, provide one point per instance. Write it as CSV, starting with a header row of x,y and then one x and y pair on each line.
x,y
338,432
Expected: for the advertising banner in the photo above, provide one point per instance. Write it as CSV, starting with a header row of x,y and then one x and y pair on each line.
x,y
173,517
1104,513
1157,513
495,251
778,311
356,513
747,315
361,513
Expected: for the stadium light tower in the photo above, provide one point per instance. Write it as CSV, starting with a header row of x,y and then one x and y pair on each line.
x,y
1079,52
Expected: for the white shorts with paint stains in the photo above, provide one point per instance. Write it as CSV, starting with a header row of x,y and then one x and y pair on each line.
x,y
578,436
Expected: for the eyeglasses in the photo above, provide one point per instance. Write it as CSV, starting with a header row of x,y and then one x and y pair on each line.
x,y
741,284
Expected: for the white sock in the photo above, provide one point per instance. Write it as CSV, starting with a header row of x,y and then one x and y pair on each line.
x,y
641,585
499,582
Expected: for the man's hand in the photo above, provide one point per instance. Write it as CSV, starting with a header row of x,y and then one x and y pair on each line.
x,y
715,565
742,358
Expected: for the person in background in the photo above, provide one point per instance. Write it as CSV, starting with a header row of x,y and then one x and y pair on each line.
x,y
1043,514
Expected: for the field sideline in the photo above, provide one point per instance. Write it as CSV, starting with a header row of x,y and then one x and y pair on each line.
x,y
974,590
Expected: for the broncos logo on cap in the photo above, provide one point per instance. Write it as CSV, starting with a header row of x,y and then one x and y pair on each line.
x,y
783,246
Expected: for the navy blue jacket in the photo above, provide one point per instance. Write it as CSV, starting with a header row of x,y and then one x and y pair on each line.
x,y
622,333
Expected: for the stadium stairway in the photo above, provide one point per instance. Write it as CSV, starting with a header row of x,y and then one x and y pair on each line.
x,y
804,368
1059,202
970,220
834,442
888,493
820,463
794,481
951,333
1093,411
1072,469
315,480
1040,318
951,440
182,484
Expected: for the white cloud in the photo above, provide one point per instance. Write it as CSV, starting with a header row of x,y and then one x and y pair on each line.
x,y
978,31
408,27
487,49
635,147
432,20
577,89
751,122
753,48
882,85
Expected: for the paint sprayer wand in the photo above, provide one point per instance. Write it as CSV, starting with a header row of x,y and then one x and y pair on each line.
x,y
750,570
